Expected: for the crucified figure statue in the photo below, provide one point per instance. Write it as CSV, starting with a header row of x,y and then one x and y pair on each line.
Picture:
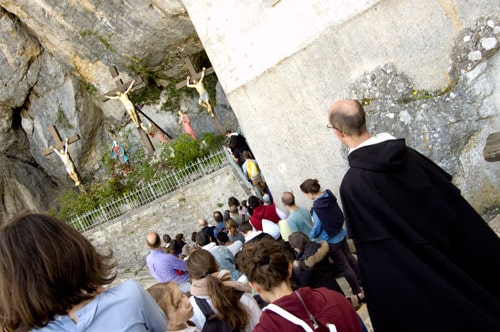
x,y
204,100
122,96
68,164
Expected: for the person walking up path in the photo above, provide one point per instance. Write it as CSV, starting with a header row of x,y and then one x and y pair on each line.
x,y
328,226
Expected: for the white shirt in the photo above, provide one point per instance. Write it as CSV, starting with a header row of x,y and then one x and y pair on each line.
x,y
382,137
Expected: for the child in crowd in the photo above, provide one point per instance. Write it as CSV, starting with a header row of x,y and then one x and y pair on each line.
x,y
53,279
176,306
230,300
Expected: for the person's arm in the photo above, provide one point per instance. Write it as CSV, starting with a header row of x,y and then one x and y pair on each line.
x,y
179,264
202,74
129,87
66,146
316,228
112,97
188,84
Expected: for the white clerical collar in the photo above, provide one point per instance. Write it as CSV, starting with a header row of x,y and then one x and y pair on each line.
x,y
382,137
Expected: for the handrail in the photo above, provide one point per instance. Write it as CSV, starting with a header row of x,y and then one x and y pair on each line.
x,y
150,191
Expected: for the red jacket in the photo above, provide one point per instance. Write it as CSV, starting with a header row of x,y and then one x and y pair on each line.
x,y
264,212
325,305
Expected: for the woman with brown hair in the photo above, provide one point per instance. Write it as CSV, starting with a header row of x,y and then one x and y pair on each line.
x,y
52,279
230,300
268,270
328,226
232,231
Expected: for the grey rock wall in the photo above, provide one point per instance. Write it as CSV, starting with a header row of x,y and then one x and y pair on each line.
x,y
55,59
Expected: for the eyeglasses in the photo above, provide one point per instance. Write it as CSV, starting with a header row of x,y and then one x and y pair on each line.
x,y
330,126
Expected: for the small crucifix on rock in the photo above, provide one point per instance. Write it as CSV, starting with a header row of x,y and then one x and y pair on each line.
x,y
121,93
60,148
197,83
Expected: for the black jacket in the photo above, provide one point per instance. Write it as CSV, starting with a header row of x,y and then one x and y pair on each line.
x,y
428,261
315,269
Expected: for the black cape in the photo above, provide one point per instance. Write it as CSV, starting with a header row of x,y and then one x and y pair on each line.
x,y
428,261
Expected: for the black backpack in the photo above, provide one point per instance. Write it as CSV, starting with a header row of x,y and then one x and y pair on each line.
x,y
213,323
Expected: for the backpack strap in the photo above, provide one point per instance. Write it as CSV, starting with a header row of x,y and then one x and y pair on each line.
x,y
288,316
205,308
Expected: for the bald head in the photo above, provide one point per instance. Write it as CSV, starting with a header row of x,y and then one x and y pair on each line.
x,y
288,199
202,222
348,117
153,240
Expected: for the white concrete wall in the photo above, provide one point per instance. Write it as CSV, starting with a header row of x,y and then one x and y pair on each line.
x,y
282,66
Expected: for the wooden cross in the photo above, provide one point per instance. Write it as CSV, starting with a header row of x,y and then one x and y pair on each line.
x,y
121,87
58,143
193,74
196,76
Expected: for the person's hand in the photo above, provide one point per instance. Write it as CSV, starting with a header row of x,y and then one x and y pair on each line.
x,y
295,263
203,68
188,78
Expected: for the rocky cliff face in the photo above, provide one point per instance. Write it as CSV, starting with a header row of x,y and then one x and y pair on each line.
x,y
55,60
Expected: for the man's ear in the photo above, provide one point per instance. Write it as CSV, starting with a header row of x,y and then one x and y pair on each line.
x,y
338,133
290,269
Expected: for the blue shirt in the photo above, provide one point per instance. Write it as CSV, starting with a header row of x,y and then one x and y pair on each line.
x,y
300,221
318,232
126,307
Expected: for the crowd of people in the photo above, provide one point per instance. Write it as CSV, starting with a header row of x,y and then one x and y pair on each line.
x,y
424,260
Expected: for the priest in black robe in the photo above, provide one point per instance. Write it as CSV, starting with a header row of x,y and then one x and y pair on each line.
x,y
428,261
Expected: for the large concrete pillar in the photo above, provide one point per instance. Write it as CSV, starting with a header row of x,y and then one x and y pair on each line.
x,y
283,62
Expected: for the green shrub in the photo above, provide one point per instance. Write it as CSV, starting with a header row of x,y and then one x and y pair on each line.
x,y
186,150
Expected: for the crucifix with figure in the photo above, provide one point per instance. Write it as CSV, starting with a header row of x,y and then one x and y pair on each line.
x,y
121,93
197,83
60,148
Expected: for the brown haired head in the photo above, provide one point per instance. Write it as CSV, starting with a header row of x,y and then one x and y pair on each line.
x,y
46,267
164,295
264,263
298,240
202,265
310,186
231,226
